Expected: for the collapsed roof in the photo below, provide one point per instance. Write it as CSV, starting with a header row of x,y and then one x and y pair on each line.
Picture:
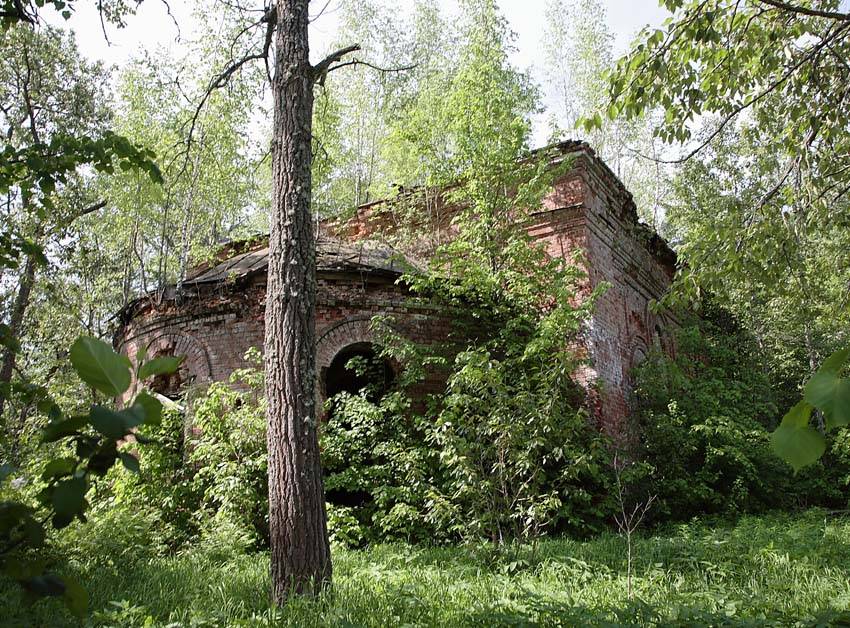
x,y
332,255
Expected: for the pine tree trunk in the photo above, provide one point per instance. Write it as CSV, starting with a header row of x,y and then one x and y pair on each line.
x,y
300,552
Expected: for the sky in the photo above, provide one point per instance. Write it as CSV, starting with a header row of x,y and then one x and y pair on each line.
x,y
152,26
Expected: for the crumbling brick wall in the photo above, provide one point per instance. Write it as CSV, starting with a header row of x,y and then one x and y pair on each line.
x,y
588,213
215,327
590,217
637,267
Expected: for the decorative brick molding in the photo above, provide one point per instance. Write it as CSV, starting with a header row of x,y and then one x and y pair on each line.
x,y
352,331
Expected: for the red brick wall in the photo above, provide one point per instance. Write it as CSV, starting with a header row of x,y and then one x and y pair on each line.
x,y
588,211
638,269
216,327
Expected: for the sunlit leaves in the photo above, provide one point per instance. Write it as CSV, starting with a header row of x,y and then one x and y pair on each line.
x,y
93,438
37,169
100,367
795,440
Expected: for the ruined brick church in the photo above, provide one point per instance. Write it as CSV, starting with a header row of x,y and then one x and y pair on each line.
x,y
216,314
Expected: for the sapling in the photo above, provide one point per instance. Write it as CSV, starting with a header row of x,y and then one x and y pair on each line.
x,y
628,520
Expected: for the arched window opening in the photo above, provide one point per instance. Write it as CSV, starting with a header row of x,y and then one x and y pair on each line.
x,y
358,369
171,385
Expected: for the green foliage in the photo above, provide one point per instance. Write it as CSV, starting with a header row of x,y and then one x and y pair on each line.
x,y
578,50
753,94
379,467
520,456
16,12
516,455
90,444
776,570
204,472
705,417
724,57
228,452
702,421
55,138
827,392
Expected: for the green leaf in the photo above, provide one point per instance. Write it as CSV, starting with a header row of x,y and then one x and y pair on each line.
x,y
130,462
33,532
76,598
99,366
55,431
151,406
103,458
835,362
116,425
795,441
159,366
57,468
69,498
830,394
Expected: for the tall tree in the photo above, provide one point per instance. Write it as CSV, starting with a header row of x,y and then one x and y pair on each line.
x,y
47,93
358,109
577,53
757,91
300,550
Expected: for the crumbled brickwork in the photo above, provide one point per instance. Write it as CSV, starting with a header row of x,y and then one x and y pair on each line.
x,y
588,217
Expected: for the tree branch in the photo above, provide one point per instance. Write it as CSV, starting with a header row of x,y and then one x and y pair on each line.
x,y
355,62
320,70
778,82
223,78
321,12
832,15
90,209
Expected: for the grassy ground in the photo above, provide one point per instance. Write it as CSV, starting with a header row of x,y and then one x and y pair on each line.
x,y
761,571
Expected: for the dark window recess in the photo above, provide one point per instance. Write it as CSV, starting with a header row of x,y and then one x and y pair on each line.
x,y
171,385
357,368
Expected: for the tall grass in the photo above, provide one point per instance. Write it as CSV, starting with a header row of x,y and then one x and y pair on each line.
x,y
760,571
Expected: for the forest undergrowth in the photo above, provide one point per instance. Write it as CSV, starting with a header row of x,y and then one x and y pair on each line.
x,y
770,570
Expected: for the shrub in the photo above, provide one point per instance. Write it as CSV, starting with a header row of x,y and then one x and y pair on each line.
x,y
378,468
705,418
517,451
227,452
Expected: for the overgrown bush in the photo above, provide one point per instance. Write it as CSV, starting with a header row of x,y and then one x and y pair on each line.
x,y
203,473
705,417
378,469
517,453
227,453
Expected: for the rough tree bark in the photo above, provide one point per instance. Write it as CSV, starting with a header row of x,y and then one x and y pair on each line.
x,y
300,551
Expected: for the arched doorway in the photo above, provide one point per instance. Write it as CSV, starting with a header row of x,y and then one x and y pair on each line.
x,y
359,371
